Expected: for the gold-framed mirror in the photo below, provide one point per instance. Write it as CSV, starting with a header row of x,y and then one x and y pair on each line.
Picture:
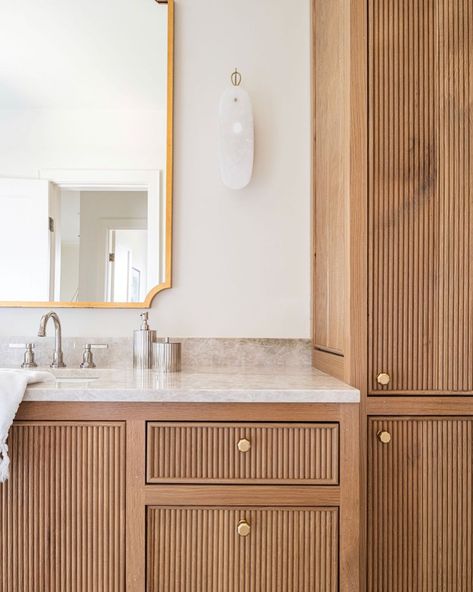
x,y
86,153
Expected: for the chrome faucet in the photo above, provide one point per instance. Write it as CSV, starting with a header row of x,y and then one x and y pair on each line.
x,y
57,356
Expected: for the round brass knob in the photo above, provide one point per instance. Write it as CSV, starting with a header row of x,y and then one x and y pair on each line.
x,y
384,437
243,445
243,528
383,378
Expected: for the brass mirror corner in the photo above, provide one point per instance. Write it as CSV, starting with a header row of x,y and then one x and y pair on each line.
x,y
86,154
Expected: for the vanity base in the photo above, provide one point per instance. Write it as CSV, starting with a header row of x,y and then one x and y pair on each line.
x,y
187,497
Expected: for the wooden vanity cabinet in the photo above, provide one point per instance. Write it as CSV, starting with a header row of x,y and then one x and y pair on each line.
x,y
182,498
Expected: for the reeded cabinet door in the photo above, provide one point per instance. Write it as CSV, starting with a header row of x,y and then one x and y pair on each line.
x,y
223,549
62,510
420,504
420,196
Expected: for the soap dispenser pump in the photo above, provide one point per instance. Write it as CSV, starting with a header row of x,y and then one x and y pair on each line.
x,y
143,339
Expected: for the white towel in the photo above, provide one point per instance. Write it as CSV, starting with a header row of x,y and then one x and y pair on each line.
x,y
12,389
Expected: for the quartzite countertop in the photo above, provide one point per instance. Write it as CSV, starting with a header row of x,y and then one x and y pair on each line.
x,y
206,385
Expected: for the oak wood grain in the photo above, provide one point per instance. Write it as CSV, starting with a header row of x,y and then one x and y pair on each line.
x,y
195,549
208,453
420,196
62,509
420,509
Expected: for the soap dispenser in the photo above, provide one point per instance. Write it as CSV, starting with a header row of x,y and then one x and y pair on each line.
x,y
143,340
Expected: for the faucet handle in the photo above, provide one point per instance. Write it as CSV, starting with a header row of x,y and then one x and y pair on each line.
x,y
87,356
28,358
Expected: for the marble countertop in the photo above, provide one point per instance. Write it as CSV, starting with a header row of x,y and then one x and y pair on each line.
x,y
206,385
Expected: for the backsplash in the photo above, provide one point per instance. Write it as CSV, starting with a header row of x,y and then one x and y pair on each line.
x,y
196,352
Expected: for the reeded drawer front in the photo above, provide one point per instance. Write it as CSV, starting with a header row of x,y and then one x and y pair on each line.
x,y
199,549
229,453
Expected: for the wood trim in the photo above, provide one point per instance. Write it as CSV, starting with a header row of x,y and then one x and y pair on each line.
x,y
357,223
135,505
257,495
283,412
330,363
386,392
350,502
357,328
420,406
169,201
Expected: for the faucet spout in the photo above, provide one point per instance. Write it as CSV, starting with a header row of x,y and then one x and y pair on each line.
x,y
58,361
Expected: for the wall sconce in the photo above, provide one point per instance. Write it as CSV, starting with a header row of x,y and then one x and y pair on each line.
x,y
236,152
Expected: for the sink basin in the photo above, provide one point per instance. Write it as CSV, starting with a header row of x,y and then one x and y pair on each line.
x,y
80,379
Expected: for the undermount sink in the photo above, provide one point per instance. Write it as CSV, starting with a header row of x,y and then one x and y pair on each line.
x,y
76,378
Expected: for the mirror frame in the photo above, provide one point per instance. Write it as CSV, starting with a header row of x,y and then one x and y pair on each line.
x,y
169,200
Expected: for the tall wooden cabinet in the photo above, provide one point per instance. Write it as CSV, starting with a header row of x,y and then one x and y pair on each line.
x,y
393,182
420,196
393,271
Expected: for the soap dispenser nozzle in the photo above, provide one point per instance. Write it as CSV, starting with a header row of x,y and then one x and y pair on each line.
x,y
144,323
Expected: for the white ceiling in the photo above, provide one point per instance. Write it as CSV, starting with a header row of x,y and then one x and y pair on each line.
x,y
90,54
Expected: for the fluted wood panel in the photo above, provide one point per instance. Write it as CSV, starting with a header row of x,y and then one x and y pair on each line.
x,y
421,195
208,453
420,505
62,510
197,549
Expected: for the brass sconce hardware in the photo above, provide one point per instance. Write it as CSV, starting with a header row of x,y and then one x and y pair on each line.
x,y
236,78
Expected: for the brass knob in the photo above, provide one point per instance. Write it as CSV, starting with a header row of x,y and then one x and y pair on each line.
x,y
243,445
383,378
384,437
243,528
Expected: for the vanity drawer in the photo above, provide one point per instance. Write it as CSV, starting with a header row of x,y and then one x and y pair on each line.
x,y
243,453
242,549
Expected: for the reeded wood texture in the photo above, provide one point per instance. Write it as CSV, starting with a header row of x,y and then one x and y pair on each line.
x,y
331,169
421,195
420,505
62,510
279,453
287,550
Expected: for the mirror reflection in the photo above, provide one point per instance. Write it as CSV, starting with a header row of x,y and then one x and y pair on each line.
x,y
84,139
106,231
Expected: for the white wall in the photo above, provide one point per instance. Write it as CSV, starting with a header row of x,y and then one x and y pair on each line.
x,y
241,259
